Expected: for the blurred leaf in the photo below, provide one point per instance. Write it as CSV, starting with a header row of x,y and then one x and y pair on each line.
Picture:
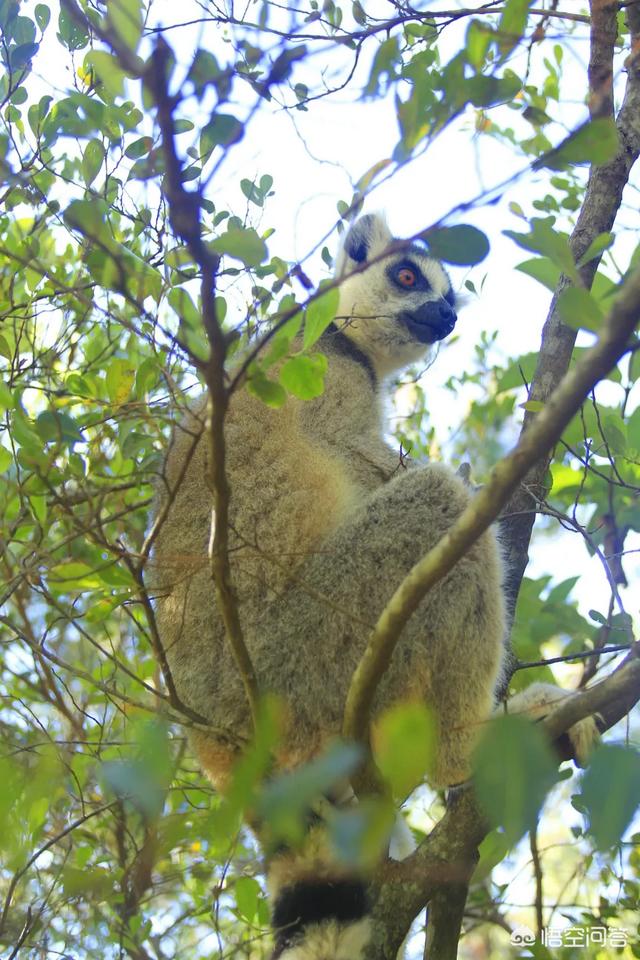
x,y
108,69
385,63
270,392
241,244
512,24
221,131
57,427
92,160
462,244
544,239
360,834
119,379
477,41
514,769
303,376
595,142
601,243
247,891
579,309
285,803
405,746
125,16
318,315
610,791
42,14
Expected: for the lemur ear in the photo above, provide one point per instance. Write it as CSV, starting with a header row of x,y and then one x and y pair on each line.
x,y
367,238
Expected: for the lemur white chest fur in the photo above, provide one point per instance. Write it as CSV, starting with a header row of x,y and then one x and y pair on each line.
x,y
326,521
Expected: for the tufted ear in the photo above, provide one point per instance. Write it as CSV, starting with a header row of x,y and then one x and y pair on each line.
x,y
367,238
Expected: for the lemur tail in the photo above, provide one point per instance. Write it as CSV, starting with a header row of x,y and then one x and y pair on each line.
x,y
320,905
321,908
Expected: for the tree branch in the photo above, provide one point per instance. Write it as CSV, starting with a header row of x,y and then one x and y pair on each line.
x,y
597,215
445,860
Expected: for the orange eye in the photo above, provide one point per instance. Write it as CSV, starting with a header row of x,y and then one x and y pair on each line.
x,y
407,277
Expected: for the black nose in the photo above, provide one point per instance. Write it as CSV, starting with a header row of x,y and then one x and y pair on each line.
x,y
437,318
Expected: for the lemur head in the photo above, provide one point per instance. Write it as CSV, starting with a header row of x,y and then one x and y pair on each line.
x,y
399,305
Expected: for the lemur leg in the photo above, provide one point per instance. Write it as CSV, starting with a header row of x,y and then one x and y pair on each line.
x,y
539,700
450,651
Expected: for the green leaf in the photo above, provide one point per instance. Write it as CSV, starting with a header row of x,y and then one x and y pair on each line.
x,y
319,315
42,14
485,91
549,242
597,246
492,851
71,31
57,427
610,790
39,508
89,216
251,192
21,55
248,892
405,746
119,379
192,330
303,376
512,24
125,16
462,244
87,884
366,179
5,349
595,142
360,833
139,148
579,309
221,131
514,768
386,62
203,71
270,392
73,575
477,41
5,459
92,160
286,800
108,70
542,269
358,13
242,244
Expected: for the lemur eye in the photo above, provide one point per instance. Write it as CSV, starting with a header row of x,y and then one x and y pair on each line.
x,y
407,277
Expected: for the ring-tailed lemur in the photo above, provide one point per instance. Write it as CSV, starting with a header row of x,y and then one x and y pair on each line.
x,y
326,520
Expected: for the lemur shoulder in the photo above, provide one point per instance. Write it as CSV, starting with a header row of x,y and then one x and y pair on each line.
x,y
326,521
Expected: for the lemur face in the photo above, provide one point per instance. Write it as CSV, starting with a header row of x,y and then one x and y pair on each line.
x,y
400,304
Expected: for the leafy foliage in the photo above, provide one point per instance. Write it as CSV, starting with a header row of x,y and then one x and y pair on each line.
x,y
112,842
